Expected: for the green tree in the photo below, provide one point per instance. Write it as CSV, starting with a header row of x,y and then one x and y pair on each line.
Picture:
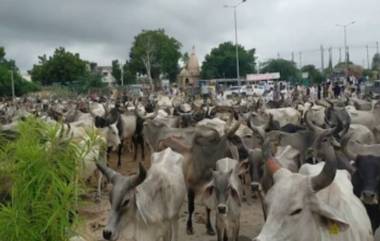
x,y
315,76
6,67
129,76
185,58
376,62
221,62
154,53
116,71
287,69
62,67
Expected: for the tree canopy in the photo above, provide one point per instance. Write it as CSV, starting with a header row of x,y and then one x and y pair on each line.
x,y
63,67
7,68
221,62
315,76
376,62
116,71
287,69
154,53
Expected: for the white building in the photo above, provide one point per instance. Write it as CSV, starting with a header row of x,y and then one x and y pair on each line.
x,y
106,73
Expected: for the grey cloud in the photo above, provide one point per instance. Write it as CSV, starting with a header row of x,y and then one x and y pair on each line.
x,y
102,30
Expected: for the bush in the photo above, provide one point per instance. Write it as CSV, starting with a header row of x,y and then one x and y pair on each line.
x,y
43,168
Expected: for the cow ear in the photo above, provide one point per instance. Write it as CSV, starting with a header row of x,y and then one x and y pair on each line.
x,y
333,221
243,167
208,195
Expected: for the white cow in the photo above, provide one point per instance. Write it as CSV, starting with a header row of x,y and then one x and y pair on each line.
x,y
285,116
223,194
147,206
316,204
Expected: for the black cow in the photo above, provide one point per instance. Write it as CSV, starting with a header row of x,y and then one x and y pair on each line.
x,y
366,186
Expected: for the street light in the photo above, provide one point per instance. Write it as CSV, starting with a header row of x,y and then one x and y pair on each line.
x,y
344,26
236,38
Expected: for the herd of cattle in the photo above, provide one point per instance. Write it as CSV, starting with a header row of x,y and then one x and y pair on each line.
x,y
315,165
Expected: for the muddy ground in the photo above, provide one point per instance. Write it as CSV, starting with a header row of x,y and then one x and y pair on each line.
x,y
94,215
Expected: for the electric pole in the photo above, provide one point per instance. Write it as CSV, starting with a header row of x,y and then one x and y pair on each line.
x,y
322,58
330,59
340,55
122,73
293,57
300,59
367,57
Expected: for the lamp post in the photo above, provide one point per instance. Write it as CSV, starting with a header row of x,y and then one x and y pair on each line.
x,y
236,38
344,26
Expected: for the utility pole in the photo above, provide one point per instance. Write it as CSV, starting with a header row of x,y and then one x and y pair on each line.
x,y
122,73
367,56
293,57
13,86
300,59
236,38
330,59
347,55
340,55
322,58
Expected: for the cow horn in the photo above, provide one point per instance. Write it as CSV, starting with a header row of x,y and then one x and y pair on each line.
x,y
140,177
268,123
107,172
309,123
271,163
231,131
327,175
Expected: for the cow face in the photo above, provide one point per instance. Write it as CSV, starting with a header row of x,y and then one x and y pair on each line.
x,y
220,191
110,130
122,199
366,179
291,205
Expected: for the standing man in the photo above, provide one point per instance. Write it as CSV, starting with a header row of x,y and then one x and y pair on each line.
x,y
204,92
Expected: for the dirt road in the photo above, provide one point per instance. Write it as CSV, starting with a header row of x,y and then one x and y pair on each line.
x,y
94,215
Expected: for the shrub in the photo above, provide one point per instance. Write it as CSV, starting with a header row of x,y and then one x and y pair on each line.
x,y
43,167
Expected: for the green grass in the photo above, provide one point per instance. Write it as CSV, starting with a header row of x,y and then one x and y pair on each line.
x,y
43,167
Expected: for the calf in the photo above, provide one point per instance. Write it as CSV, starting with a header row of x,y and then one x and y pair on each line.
x,y
147,203
223,194
366,186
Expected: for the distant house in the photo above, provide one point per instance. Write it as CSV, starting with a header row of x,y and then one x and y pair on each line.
x,y
106,73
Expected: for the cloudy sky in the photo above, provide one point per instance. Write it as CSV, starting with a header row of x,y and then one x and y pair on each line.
x,y
102,30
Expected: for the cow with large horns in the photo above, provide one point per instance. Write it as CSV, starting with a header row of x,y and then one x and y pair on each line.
x,y
148,202
319,196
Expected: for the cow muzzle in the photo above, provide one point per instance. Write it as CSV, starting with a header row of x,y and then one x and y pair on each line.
x,y
222,209
369,197
255,186
110,235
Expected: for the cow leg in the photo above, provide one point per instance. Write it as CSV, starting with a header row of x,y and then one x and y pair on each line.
x,y
190,197
236,231
109,149
134,140
174,228
142,149
210,229
119,154
99,188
